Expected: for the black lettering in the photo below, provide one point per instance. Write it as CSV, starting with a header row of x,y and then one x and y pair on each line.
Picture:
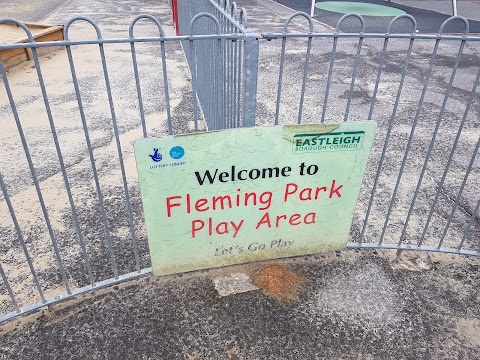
x,y
207,175
270,172
222,176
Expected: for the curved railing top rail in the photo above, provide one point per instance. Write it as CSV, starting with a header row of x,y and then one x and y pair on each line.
x,y
240,17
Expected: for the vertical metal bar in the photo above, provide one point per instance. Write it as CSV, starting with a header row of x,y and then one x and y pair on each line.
x,y
280,79
394,113
251,53
18,230
387,139
469,226
454,7
304,81
329,79
382,58
9,289
212,79
377,81
235,85
135,64
65,179
218,71
231,84
92,161
432,142
120,156
139,90
213,69
227,78
166,88
450,158
354,75
193,71
209,106
228,83
459,194
33,172
224,68
226,94
241,85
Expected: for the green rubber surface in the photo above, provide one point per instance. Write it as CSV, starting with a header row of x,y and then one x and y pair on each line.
x,y
365,9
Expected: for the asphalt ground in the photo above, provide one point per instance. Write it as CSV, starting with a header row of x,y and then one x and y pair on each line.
x,y
354,306
428,20
29,11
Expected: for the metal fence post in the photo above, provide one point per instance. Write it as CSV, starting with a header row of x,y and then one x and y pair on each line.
x,y
250,63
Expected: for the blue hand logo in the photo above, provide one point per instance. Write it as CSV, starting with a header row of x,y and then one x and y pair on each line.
x,y
156,156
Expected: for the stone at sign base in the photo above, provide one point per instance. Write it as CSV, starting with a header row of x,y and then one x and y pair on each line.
x,y
233,284
412,261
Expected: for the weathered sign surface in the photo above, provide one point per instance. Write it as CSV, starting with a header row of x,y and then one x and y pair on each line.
x,y
241,195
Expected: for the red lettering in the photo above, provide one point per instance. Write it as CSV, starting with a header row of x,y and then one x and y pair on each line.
x,y
279,217
170,205
306,194
294,218
334,190
323,188
312,216
251,195
264,220
222,228
197,228
200,203
288,191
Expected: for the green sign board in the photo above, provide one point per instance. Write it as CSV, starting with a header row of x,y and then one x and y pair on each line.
x,y
220,198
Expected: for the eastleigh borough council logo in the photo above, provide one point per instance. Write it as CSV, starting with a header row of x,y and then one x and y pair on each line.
x,y
334,141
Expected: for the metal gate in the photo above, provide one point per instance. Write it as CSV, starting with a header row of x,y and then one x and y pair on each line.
x,y
71,220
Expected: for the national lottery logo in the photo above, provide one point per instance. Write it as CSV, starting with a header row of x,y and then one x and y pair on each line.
x,y
156,155
177,152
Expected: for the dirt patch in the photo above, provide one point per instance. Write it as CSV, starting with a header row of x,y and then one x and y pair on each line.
x,y
280,283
